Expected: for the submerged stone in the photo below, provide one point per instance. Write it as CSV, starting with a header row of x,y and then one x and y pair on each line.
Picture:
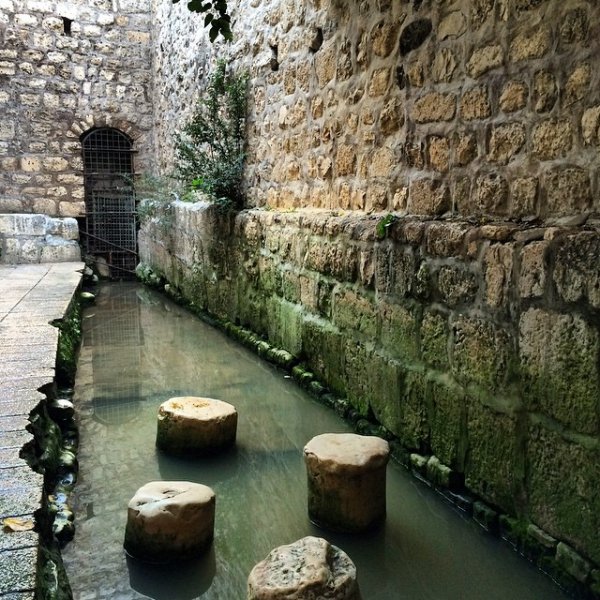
x,y
170,520
308,568
194,425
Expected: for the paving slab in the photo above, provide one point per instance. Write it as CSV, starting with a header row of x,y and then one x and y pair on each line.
x,y
31,298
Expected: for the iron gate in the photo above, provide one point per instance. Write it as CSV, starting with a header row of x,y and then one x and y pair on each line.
x,y
110,231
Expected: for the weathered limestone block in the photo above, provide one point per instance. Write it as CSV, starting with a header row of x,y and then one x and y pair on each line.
x,y
514,96
498,264
484,59
491,194
532,278
576,273
578,83
552,138
193,425
475,104
568,191
169,521
483,353
505,141
568,473
456,285
545,91
434,106
428,197
524,195
308,568
491,468
346,480
448,436
439,153
531,44
444,65
559,364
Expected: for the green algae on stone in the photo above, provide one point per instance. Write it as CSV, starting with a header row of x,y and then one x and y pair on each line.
x,y
434,340
68,344
574,513
447,423
482,354
559,360
399,331
491,461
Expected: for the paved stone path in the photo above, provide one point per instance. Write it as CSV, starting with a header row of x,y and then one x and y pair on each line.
x,y
30,297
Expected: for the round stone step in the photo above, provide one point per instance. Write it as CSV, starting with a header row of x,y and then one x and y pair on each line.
x,y
310,568
346,480
169,521
195,426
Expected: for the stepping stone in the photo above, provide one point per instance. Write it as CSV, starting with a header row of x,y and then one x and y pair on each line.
x,y
169,521
195,426
310,568
346,480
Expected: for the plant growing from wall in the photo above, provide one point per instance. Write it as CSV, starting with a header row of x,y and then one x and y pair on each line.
x,y
215,16
154,198
210,149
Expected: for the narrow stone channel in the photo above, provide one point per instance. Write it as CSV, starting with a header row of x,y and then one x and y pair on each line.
x,y
138,350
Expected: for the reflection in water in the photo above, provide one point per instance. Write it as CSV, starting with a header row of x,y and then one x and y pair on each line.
x,y
139,350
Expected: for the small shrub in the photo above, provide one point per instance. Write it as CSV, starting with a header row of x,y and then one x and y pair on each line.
x,y
210,150
154,198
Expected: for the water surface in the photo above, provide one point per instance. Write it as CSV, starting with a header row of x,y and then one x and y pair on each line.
x,y
139,349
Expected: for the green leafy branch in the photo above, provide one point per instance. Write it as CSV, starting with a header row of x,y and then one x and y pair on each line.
x,y
215,16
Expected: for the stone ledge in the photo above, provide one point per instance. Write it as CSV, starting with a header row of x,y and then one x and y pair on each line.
x,y
35,238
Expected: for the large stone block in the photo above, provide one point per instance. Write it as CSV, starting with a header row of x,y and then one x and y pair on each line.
x,y
168,521
498,267
576,272
308,568
448,424
559,363
562,488
190,425
434,340
568,191
399,331
346,480
482,354
285,325
456,285
434,106
323,347
493,467
428,197
353,311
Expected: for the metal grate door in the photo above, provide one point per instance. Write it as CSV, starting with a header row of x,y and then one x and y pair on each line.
x,y
110,223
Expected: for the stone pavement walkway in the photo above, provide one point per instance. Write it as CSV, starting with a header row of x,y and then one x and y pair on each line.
x,y
30,297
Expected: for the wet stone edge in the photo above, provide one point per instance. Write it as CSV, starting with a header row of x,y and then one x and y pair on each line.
x,y
573,573
53,453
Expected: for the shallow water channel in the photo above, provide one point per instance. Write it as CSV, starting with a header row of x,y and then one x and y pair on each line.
x,y
138,350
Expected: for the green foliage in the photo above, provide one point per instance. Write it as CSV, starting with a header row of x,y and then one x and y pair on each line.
x,y
215,15
155,196
68,344
211,148
383,225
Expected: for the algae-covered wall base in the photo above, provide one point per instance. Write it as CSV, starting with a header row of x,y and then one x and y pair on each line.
x,y
476,346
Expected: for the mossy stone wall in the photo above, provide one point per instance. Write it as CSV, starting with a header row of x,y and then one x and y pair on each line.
x,y
476,344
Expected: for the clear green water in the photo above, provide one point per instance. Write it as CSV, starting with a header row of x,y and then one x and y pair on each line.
x,y
138,350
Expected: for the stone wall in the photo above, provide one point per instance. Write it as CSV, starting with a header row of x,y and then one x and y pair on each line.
x,y
478,345
66,67
486,109
469,327
31,238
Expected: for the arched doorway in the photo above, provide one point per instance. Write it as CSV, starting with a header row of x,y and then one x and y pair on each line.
x,y
110,225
